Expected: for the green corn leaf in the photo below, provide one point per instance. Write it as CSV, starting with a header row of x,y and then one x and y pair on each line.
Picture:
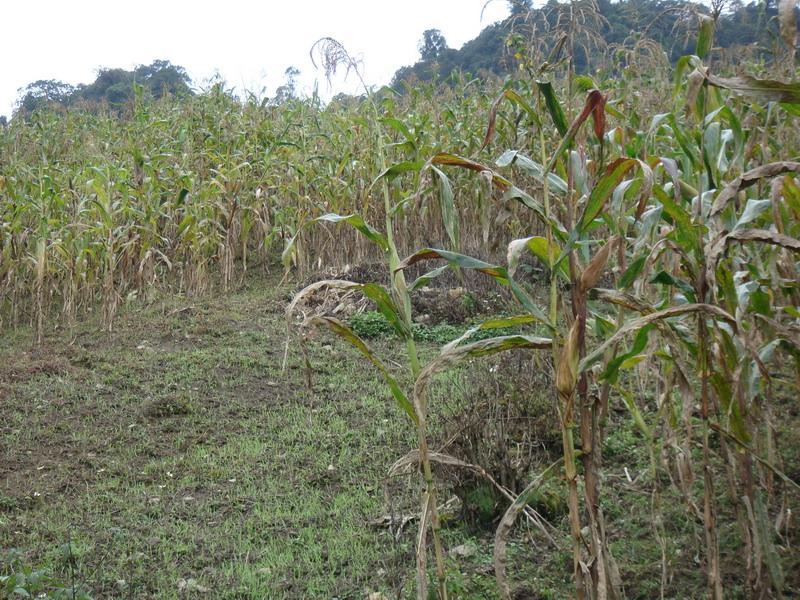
x,y
584,84
355,220
604,188
423,280
350,336
639,323
514,193
539,248
499,274
665,278
401,128
631,274
528,303
520,101
449,215
683,140
553,106
460,260
532,168
688,62
358,222
639,344
386,306
676,215
633,409
705,36
600,194
391,173
489,325
602,326
752,211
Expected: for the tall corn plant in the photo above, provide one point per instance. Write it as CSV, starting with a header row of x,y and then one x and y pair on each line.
x,y
395,305
713,175
204,187
559,251
695,240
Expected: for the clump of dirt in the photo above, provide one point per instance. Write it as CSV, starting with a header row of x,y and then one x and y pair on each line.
x,y
26,365
453,298
170,406
457,305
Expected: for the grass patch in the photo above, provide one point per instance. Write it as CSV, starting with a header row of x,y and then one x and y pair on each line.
x,y
177,460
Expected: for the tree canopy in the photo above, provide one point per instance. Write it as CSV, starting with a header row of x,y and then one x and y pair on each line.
x,y
607,23
113,87
432,44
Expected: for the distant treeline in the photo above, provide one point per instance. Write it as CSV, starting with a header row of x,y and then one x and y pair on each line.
x,y
114,87
594,27
594,32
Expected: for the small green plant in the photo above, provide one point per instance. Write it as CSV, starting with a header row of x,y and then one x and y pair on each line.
x,y
481,503
371,324
469,302
464,585
621,442
20,580
440,334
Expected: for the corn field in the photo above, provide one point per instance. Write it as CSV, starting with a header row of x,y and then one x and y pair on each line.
x,y
662,203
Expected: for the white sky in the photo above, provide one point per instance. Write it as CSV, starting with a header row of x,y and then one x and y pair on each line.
x,y
249,43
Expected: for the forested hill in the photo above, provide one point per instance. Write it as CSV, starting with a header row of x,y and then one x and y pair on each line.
x,y
597,28
115,87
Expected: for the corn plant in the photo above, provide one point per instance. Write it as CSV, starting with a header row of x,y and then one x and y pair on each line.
x,y
698,236
663,211
395,305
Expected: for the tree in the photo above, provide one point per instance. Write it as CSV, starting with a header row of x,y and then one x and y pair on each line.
x,y
163,78
115,86
520,8
289,89
432,44
671,23
44,92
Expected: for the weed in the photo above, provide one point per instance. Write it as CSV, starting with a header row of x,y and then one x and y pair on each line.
x,y
370,324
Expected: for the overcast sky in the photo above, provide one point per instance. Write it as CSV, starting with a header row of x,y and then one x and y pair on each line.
x,y
251,44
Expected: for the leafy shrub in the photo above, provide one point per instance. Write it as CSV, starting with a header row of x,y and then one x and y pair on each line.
x,y
436,334
370,324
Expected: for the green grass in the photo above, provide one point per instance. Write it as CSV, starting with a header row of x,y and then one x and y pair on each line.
x,y
177,460
178,450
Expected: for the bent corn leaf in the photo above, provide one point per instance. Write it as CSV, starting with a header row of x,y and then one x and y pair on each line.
x,y
349,336
764,90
